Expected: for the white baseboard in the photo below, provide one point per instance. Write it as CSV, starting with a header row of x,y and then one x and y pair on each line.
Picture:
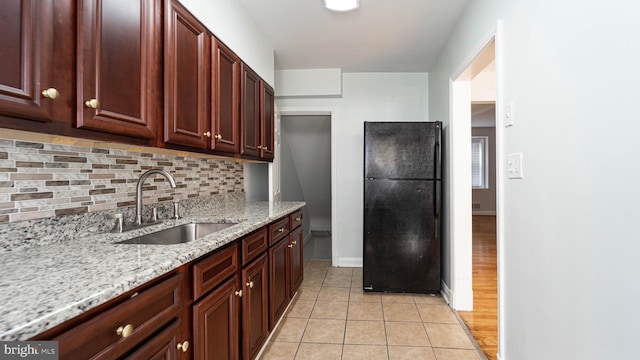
x,y
446,292
349,262
483,213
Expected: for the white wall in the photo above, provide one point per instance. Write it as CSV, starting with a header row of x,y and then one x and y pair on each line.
x,y
231,24
571,226
365,97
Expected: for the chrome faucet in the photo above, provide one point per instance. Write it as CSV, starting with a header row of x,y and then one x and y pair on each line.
x,y
141,181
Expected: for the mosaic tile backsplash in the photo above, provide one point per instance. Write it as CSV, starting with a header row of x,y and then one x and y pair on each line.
x,y
42,180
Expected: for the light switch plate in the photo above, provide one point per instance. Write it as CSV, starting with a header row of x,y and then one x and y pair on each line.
x,y
514,166
508,115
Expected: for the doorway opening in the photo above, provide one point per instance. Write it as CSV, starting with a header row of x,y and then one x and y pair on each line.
x,y
306,175
475,238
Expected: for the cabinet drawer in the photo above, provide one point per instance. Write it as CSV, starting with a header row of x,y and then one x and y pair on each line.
x,y
295,219
212,270
116,331
278,230
253,245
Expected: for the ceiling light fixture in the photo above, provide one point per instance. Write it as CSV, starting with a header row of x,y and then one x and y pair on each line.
x,y
341,5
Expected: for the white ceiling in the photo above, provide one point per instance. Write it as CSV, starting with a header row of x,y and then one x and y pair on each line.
x,y
381,36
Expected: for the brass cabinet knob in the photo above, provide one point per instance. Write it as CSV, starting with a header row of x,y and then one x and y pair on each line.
x,y
294,242
239,293
250,284
298,218
183,346
125,331
93,103
289,246
207,134
50,93
281,230
218,136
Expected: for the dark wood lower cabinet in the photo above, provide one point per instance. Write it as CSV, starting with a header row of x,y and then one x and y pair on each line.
x,y
296,239
211,308
163,346
216,326
255,310
279,280
128,326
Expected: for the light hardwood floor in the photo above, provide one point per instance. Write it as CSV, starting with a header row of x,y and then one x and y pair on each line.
x,y
483,320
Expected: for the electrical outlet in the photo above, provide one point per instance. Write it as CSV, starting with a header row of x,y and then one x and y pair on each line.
x,y
514,166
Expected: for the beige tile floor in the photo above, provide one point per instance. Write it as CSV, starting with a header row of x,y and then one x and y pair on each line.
x,y
332,318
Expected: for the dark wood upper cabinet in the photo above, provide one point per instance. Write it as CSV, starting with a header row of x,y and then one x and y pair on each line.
x,y
119,66
266,121
187,49
225,98
26,59
250,112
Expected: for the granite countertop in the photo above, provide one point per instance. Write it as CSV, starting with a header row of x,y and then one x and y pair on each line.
x,y
43,286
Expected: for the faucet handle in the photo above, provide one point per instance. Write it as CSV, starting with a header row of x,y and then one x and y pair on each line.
x,y
176,210
119,222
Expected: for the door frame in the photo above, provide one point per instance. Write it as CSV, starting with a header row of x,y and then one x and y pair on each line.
x,y
331,112
461,293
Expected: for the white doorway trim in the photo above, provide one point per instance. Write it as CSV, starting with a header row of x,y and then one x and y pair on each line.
x,y
460,228
331,111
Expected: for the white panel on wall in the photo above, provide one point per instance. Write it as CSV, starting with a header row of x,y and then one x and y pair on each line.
x,y
309,82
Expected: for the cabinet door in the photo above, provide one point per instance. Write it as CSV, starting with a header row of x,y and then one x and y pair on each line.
x,y
216,320
279,282
266,121
225,98
186,71
26,58
255,323
250,112
296,240
119,73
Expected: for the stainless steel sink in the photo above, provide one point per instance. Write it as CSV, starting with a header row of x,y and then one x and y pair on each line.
x,y
178,234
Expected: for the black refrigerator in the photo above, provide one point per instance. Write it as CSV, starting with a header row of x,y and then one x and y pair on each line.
x,y
402,205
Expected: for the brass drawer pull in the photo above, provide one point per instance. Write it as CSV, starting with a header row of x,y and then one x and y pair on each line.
x,y
239,293
250,284
183,346
93,103
50,93
125,331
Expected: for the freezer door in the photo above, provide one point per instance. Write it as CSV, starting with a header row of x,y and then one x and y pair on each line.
x,y
401,150
401,236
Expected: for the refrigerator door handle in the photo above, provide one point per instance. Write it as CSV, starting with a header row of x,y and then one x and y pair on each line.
x,y
436,202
